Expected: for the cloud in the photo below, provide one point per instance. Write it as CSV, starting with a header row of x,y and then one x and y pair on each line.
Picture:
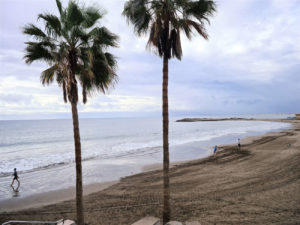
x,y
256,39
250,64
117,103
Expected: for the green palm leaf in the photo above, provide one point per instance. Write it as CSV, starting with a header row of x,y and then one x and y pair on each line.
x,y
34,31
91,16
52,24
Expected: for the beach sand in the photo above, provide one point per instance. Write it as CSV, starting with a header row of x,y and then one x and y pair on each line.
x,y
258,185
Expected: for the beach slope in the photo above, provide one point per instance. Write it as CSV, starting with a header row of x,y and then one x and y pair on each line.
x,y
260,184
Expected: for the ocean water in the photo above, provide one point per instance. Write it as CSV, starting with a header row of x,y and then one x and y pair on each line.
x,y
43,150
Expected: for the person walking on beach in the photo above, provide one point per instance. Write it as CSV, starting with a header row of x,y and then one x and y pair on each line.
x,y
16,177
215,150
239,144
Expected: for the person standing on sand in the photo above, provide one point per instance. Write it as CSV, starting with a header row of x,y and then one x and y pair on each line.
x,y
239,144
215,150
16,177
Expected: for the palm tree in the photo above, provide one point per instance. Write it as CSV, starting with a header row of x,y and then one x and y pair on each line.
x,y
75,48
164,20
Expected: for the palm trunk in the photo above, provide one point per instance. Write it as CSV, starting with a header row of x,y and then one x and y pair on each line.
x,y
165,109
79,198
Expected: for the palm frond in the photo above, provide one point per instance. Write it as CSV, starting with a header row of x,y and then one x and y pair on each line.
x,y
137,12
103,37
104,75
154,41
74,14
84,93
64,86
59,6
111,61
91,16
78,34
37,51
198,27
176,44
34,31
86,77
52,24
48,75
200,9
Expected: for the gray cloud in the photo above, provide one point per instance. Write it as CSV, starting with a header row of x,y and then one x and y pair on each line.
x,y
249,65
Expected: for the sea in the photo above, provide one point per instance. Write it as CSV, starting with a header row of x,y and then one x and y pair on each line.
x,y
43,150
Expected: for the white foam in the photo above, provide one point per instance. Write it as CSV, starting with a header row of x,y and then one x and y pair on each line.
x,y
35,156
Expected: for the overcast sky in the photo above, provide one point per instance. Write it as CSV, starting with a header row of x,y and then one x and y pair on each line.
x,y
250,65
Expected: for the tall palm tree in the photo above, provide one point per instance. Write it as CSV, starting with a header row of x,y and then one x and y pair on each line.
x,y
75,48
164,20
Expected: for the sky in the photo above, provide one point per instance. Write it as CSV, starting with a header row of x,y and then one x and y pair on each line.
x,y
249,65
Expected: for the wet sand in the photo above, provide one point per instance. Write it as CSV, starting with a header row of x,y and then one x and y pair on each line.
x,y
51,197
260,184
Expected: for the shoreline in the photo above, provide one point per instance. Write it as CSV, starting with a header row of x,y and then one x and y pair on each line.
x,y
244,141
50,197
98,170
61,196
230,119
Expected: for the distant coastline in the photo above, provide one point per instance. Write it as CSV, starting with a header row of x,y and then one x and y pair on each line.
x,y
236,119
211,119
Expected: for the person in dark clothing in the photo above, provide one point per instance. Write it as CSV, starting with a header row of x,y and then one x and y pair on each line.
x,y
239,144
16,177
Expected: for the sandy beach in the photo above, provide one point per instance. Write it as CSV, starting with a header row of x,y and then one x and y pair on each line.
x,y
260,184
